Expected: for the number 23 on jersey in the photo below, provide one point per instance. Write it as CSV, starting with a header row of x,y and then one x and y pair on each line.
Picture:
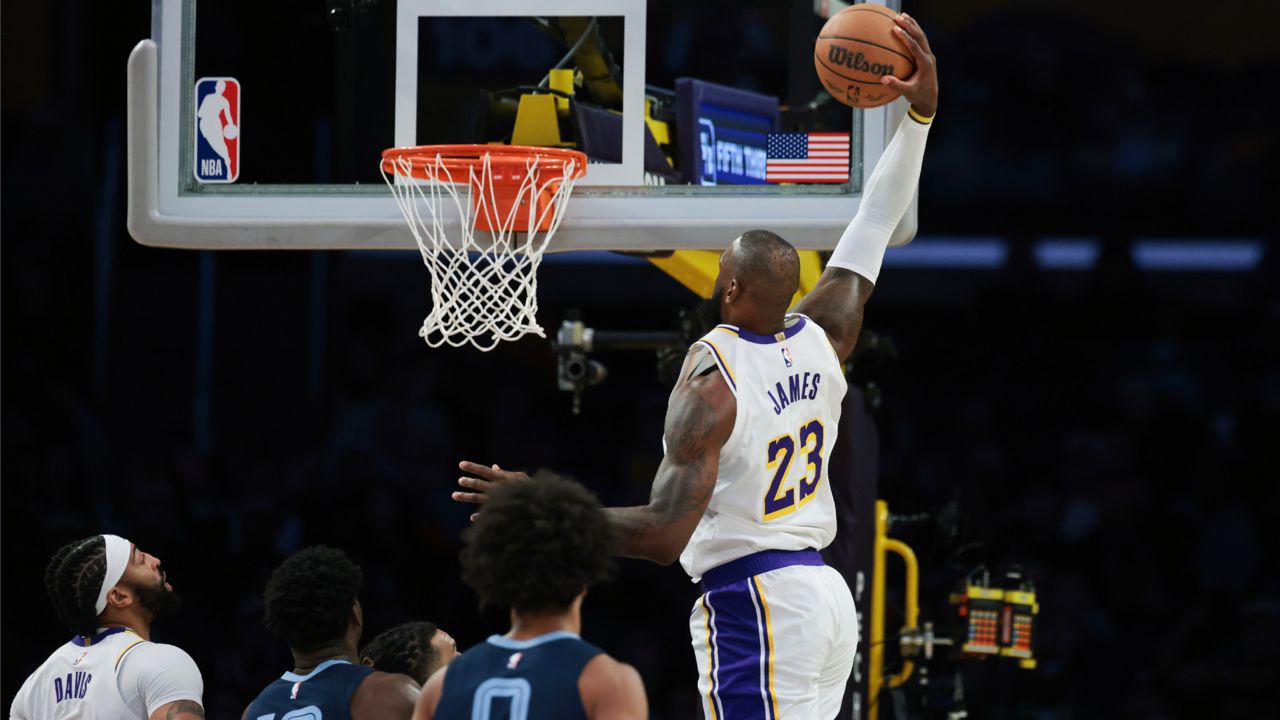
x,y
784,497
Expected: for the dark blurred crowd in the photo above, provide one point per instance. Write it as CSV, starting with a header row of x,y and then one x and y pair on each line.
x,y
1116,441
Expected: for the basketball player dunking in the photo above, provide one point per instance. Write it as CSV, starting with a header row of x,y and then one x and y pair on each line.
x,y
740,496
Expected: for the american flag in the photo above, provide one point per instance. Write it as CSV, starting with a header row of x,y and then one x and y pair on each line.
x,y
807,157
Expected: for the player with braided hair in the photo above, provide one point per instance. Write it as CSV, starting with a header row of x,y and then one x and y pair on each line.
x,y
108,592
311,604
416,649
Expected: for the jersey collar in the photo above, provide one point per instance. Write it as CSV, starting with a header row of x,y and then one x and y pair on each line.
x,y
295,677
786,334
102,635
509,644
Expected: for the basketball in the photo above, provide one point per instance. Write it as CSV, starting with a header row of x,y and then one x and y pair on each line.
x,y
855,49
231,132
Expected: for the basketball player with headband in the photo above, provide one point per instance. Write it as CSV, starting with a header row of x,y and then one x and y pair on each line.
x,y
109,592
740,497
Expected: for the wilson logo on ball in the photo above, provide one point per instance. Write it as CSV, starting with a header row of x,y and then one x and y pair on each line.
x,y
856,61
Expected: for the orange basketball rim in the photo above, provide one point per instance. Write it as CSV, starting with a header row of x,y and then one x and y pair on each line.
x,y
513,187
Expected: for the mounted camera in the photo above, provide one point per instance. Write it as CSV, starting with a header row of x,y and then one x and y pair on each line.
x,y
576,370
340,12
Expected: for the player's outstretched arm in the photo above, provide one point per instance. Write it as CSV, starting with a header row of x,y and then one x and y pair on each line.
x,y
837,300
700,417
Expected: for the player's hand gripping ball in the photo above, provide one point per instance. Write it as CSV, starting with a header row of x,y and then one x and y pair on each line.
x,y
868,55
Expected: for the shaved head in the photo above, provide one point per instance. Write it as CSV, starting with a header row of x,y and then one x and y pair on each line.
x,y
769,268
759,276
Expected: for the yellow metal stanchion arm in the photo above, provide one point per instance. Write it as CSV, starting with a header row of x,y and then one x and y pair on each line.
x,y
913,600
875,661
875,643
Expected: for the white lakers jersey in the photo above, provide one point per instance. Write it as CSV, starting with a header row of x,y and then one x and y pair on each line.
x,y
772,492
115,674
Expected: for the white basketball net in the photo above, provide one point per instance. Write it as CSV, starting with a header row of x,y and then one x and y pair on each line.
x,y
482,293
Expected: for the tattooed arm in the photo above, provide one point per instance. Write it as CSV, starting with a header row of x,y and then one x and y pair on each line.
x,y
179,710
700,417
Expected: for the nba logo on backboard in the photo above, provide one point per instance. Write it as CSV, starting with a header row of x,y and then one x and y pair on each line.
x,y
217,130
786,356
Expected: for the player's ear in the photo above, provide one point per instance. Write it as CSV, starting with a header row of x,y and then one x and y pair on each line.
x,y
731,290
119,597
366,661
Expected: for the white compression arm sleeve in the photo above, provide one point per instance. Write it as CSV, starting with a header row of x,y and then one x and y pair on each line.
x,y
884,200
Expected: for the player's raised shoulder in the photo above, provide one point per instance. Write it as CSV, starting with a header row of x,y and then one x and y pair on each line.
x,y
143,660
698,362
161,674
162,654
430,697
612,690
384,695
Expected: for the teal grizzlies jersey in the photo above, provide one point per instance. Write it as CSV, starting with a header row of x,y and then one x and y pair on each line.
x,y
503,679
322,694
771,492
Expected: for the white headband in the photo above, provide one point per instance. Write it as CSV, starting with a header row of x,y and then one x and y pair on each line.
x,y
119,553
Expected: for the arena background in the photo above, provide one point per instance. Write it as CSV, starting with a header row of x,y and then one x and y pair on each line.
x,y
1113,430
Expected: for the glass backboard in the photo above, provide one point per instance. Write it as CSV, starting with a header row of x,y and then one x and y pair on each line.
x,y
260,125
